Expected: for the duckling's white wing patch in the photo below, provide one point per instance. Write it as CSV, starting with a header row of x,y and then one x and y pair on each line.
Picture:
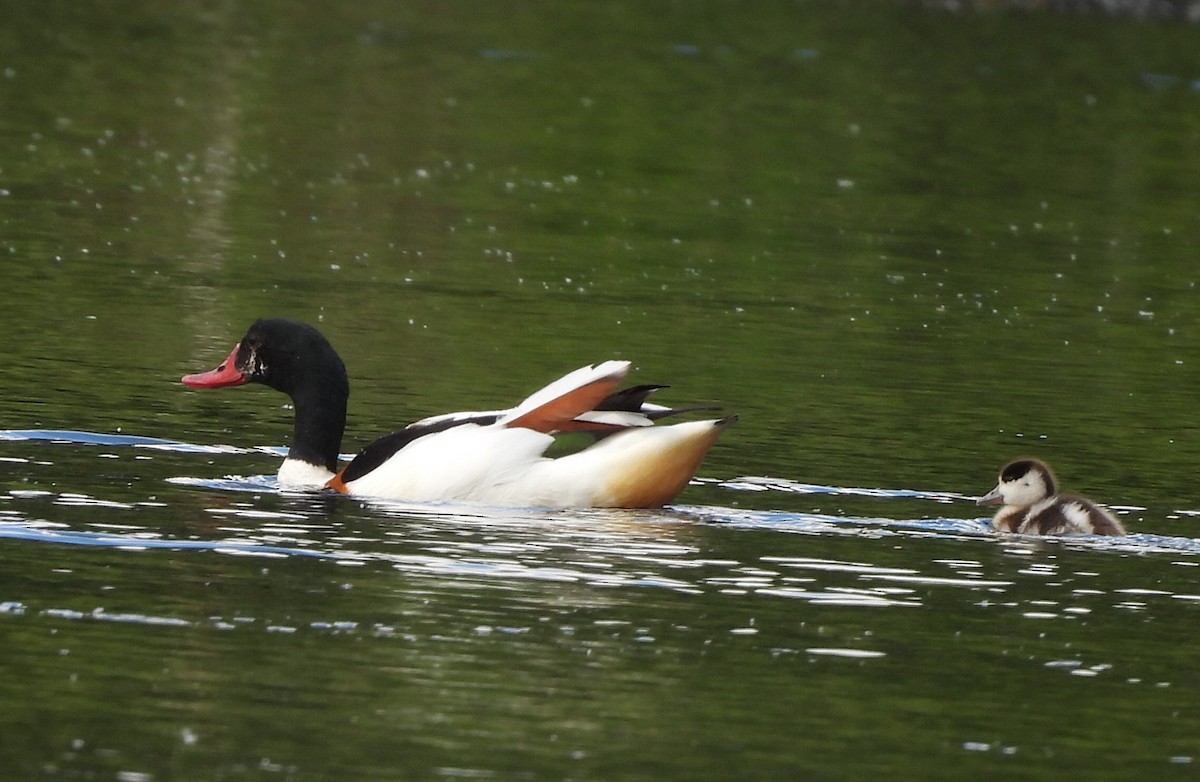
x,y
1078,516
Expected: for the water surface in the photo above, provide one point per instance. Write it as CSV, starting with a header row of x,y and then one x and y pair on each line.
x,y
903,245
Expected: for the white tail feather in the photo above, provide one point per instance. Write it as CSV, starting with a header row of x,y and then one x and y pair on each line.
x,y
619,418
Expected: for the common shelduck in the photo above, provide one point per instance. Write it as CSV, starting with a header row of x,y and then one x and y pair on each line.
x,y
1032,505
493,457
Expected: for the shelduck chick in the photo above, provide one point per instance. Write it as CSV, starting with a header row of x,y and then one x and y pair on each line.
x,y
1032,505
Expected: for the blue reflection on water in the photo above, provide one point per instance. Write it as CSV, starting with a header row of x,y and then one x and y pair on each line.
x,y
111,440
774,520
133,541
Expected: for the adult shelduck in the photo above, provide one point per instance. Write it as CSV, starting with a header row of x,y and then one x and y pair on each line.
x,y
493,457
1032,505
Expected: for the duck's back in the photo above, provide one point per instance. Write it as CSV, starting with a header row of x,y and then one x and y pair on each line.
x,y
464,462
637,468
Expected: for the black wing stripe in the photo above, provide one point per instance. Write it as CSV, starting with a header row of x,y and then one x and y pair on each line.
x,y
386,447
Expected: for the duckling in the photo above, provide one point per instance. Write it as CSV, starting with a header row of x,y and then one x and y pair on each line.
x,y
1032,505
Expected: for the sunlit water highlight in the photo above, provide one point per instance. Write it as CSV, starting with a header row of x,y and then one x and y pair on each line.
x,y
595,547
477,550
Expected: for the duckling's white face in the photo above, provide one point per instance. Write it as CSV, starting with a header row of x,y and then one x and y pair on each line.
x,y
1021,483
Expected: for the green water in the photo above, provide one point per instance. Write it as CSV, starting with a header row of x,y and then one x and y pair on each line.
x,y
903,245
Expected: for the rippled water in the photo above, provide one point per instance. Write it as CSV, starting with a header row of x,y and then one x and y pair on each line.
x,y
472,641
904,245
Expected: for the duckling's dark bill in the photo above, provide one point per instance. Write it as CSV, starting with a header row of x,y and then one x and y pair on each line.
x,y
993,497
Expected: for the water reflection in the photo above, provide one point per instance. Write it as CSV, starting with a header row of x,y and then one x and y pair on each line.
x,y
901,244
531,524
443,593
470,544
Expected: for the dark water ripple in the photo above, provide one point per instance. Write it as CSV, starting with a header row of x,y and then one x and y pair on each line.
x,y
629,571
605,526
